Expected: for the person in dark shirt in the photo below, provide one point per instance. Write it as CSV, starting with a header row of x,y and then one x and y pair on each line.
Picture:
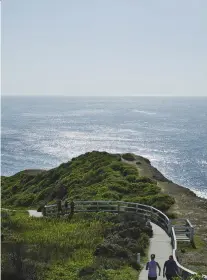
x,y
44,213
66,204
59,206
170,269
72,206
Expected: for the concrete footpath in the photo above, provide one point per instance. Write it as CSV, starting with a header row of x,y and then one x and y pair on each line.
x,y
160,246
34,213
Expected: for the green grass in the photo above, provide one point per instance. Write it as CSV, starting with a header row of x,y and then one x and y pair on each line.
x,y
92,176
198,245
197,248
128,156
65,245
59,249
62,249
57,232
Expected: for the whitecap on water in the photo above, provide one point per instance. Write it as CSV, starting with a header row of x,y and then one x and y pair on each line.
x,y
143,112
200,193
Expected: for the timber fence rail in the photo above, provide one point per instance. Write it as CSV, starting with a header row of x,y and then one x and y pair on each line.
x,y
154,215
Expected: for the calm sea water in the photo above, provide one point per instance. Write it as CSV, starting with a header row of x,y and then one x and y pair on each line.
x,y
42,132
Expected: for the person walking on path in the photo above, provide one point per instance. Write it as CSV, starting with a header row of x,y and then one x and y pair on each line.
x,y
170,268
152,268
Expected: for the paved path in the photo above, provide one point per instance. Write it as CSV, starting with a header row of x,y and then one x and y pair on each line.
x,y
160,246
34,213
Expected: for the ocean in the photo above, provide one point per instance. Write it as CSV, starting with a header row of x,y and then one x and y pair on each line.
x,y
43,132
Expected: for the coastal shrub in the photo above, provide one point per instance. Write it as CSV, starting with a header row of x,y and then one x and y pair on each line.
x,y
151,189
111,250
129,170
128,157
16,188
92,176
62,250
131,178
109,195
144,179
172,215
120,189
159,201
117,166
142,189
44,193
25,200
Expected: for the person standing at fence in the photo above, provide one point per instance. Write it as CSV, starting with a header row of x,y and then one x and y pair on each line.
x,y
66,205
72,206
59,206
44,211
152,268
170,269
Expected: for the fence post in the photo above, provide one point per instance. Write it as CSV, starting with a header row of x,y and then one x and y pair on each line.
x,y
191,234
169,227
118,208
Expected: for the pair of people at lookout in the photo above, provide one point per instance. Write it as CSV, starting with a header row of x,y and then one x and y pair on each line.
x,y
170,268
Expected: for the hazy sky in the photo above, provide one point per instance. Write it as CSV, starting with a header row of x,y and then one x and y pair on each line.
x,y
104,47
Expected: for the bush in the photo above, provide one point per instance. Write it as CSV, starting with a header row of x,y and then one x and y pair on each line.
x,y
116,166
128,157
119,189
92,176
111,195
172,215
129,170
111,250
143,179
25,200
131,178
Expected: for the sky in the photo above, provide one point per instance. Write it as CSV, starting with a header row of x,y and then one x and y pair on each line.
x,y
104,48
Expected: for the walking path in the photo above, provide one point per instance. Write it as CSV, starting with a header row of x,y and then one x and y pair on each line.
x,y
34,213
160,245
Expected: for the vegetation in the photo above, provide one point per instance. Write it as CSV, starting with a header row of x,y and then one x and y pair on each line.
x,y
90,246
198,248
92,176
128,157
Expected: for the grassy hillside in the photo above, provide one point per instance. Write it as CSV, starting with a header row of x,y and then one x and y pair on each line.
x,y
92,176
90,246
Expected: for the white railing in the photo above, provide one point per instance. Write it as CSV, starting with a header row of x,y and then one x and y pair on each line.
x,y
155,215
149,212
185,227
183,272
